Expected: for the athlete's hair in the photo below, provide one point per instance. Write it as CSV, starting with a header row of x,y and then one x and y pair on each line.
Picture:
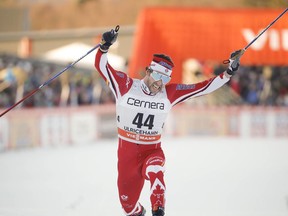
x,y
163,57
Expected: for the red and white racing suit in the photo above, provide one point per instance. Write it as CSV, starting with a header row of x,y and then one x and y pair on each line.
x,y
140,119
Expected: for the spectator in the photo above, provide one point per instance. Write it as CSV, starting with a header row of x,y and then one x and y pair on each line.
x,y
256,85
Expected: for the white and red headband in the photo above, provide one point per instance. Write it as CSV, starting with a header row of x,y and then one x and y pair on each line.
x,y
161,65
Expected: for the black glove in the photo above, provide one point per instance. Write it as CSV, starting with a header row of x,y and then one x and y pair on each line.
x,y
234,61
108,38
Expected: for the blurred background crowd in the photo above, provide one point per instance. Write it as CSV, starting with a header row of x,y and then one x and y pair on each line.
x,y
254,85
260,85
74,87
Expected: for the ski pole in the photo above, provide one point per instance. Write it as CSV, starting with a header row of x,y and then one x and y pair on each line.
x,y
48,81
262,32
54,77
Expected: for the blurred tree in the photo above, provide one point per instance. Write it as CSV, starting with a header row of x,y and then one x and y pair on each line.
x,y
265,3
59,14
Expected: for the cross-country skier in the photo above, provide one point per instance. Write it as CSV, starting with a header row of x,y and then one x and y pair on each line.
x,y
141,109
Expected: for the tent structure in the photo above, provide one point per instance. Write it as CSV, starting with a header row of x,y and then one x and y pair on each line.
x,y
71,52
208,35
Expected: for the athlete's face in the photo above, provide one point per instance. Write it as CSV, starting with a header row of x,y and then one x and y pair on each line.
x,y
155,80
154,86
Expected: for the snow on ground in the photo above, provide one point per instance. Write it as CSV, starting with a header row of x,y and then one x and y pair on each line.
x,y
204,177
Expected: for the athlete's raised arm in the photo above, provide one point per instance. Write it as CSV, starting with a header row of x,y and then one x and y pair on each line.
x,y
178,93
118,81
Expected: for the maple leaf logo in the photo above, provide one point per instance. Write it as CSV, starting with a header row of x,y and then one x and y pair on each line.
x,y
158,191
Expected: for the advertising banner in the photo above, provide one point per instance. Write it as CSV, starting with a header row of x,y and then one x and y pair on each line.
x,y
54,129
4,133
208,35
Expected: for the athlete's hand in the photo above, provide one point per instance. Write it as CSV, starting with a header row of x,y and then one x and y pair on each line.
x,y
234,62
108,38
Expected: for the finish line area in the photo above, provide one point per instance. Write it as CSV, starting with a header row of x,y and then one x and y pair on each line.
x,y
204,176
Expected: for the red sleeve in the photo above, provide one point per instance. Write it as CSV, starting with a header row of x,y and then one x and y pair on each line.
x,y
118,81
178,93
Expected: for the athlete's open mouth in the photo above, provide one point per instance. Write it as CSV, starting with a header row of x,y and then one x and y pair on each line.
x,y
156,86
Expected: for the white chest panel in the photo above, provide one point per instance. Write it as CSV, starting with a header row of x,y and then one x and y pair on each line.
x,y
141,117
